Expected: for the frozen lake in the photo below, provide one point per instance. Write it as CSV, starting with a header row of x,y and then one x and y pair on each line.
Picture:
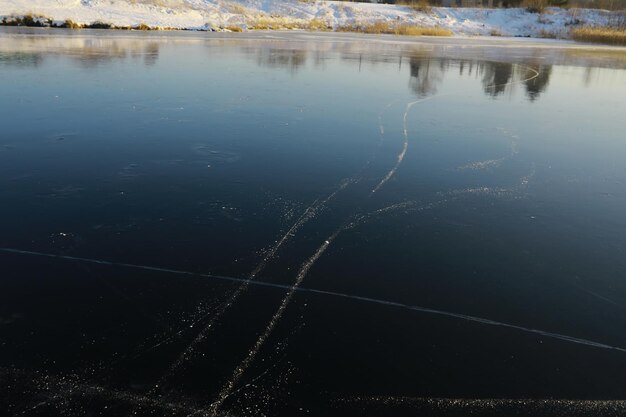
x,y
289,224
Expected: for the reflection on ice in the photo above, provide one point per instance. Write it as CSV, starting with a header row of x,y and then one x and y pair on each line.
x,y
221,243
491,61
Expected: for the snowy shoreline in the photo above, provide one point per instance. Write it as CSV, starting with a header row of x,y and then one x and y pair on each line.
x,y
242,15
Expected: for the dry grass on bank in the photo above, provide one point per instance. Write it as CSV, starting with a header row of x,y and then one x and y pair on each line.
x,y
70,24
274,23
386,28
285,23
421,31
611,36
319,25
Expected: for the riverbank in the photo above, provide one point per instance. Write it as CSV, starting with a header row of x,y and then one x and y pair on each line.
x,y
299,14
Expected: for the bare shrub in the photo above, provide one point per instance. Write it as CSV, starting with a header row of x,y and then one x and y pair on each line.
x,y
30,20
535,6
99,25
421,6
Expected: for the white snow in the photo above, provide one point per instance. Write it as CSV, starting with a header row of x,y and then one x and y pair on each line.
x,y
216,14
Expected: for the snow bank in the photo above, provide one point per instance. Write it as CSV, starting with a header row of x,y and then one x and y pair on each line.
x,y
215,14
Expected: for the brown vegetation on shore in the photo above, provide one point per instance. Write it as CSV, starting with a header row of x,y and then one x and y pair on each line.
x,y
387,28
608,35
